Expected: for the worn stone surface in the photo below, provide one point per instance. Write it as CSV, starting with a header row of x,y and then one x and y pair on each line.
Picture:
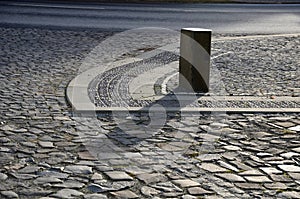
x,y
3,176
47,151
290,168
43,180
68,193
149,191
78,169
124,194
231,177
118,175
212,167
95,196
9,194
257,179
149,178
198,191
186,183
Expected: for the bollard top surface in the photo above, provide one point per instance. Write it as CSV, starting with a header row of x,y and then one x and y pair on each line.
x,y
197,29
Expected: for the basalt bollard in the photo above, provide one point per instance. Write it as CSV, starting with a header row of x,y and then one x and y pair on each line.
x,y
194,63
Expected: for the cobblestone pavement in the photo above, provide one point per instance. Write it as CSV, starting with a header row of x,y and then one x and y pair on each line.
x,y
46,152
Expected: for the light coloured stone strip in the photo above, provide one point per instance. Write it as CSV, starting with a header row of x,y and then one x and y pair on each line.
x,y
143,85
255,37
233,98
198,109
165,82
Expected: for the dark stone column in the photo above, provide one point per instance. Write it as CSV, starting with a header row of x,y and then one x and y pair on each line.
x,y
194,63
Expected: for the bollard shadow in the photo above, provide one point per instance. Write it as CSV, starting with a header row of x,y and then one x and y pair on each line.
x,y
147,127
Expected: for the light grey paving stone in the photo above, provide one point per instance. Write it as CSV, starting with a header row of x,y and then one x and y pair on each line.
x,y
3,176
85,155
97,176
46,144
21,130
231,156
62,118
264,155
290,168
241,165
213,168
281,162
289,136
118,175
276,186
236,190
258,179
249,186
29,144
232,148
119,162
9,194
5,149
295,176
282,118
131,155
149,178
171,147
228,166
23,176
68,193
280,178
285,124
171,194
296,149
104,186
251,173
55,174
289,155
295,128
277,158
69,184
221,196
198,191
29,169
7,128
188,197
167,187
209,157
95,196
270,170
124,194
86,163
186,183
149,191
218,125
35,191
78,169
43,180
289,194
231,177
